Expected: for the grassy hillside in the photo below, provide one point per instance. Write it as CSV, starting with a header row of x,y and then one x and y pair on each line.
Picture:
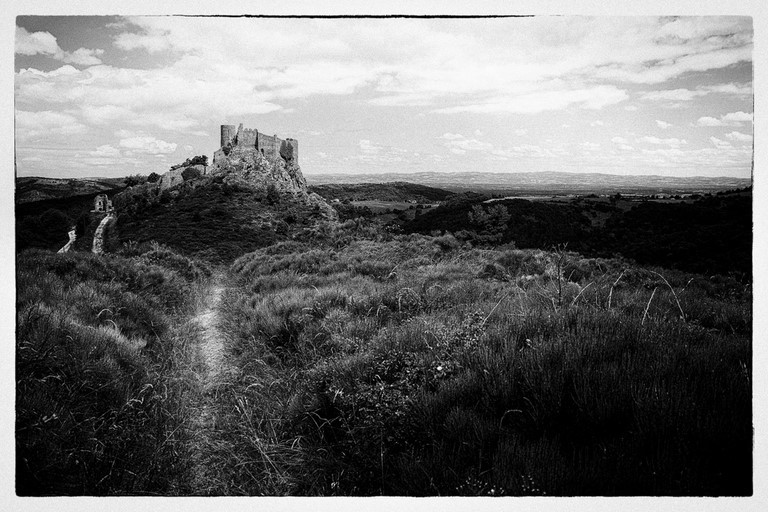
x,y
393,192
215,220
99,384
413,366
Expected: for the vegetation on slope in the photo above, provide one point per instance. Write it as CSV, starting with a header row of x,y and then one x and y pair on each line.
x,y
397,191
414,366
214,220
712,235
99,380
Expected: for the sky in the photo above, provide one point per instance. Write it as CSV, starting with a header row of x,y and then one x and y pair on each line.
x,y
112,96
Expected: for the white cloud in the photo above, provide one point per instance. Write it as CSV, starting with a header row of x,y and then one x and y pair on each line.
x,y
147,144
709,121
597,123
737,117
459,144
106,151
619,140
44,43
731,119
631,108
663,124
541,101
738,136
673,142
519,132
690,94
33,125
719,142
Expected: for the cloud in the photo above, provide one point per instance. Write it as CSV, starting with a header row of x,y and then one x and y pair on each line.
x,y
690,94
371,152
619,140
738,136
631,108
541,101
45,124
597,123
459,144
148,144
519,132
44,43
720,143
367,148
731,119
106,151
673,142
663,124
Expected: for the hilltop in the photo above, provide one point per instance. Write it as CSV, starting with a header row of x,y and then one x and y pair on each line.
x,y
244,201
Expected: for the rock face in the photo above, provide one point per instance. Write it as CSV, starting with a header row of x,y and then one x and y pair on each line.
x,y
271,172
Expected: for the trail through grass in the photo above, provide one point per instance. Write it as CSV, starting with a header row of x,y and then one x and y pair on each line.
x,y
211,373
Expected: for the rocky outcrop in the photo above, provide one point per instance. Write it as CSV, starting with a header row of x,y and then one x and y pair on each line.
x,y
271,175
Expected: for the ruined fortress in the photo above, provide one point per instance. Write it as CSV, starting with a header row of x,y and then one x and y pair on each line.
x,y
247,140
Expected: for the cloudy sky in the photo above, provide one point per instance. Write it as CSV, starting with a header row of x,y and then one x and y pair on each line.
x,y
110,96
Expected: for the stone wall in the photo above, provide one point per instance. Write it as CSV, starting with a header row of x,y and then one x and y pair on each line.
x,y
289,150
271,146
268,146
247,138
228,133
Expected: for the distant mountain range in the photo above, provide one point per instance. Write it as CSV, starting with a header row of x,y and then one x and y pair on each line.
x,y
543,182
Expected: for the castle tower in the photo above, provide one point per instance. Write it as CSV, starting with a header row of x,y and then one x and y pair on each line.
x,y
227,134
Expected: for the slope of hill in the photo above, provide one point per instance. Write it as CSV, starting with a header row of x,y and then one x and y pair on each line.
x,y
398,191
243,203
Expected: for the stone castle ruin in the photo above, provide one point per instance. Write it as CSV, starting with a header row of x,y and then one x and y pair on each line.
x,y
247,140
102,204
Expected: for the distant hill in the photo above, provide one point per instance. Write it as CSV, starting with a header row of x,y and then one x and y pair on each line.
x,y
33,188
712,234
543,182
398,191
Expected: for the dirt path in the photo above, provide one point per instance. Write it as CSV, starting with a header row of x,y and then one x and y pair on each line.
x,y
211,375
212,339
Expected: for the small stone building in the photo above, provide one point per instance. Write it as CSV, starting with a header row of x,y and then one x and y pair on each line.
x,y
102,204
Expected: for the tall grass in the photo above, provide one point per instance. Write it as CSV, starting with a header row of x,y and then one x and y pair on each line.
x,y
100,382
413,366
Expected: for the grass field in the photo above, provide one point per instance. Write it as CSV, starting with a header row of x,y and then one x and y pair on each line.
x,y
360,362
413,366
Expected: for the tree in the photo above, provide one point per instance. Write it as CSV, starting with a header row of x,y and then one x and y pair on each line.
x,y
153,177
135,179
